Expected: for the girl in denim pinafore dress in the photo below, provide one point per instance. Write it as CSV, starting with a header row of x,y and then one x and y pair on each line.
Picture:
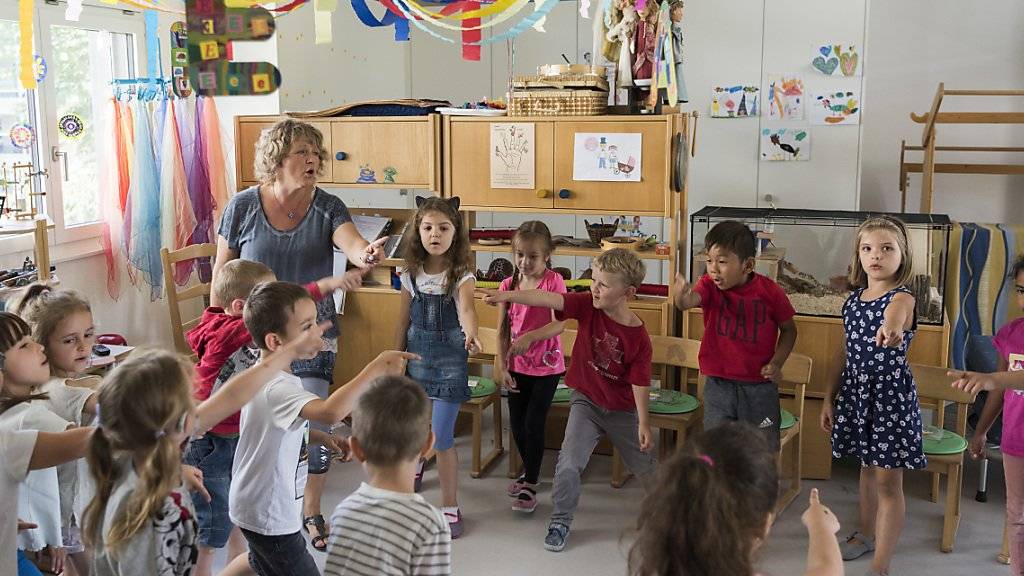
x,y
438,322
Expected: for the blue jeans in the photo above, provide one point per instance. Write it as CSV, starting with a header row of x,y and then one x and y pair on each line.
x,y
284,555
214,455
442,422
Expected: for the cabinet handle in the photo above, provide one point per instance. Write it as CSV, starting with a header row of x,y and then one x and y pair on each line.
x,y
563,193
543,193
339,156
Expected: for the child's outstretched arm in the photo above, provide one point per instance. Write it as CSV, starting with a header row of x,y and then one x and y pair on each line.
x,y
241,388
340,402
348,281
683,295
974,382
898,316
54,448
823,557
539,298
467,315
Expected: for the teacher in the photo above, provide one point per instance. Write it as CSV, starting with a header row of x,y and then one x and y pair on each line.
x,y
292,226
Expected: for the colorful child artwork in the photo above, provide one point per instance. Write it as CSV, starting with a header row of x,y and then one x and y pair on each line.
x,y
736,101
785,98
785,144
836,59
608,157
389,174
513,155
835,108
211,27
22,136
71,126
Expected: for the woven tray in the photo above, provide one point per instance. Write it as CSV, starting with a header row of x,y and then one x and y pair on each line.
x,y
557,103
560,82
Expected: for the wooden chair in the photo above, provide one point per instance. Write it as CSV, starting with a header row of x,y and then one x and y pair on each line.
x,y
933,383
476,407
176,297
796,375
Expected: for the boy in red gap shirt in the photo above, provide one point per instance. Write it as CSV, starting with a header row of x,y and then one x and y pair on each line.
x,y
748,332
224,347
610,374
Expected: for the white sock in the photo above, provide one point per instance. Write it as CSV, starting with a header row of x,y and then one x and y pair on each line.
x,y
452,511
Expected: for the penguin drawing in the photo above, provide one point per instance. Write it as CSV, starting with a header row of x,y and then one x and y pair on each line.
x,y
783,146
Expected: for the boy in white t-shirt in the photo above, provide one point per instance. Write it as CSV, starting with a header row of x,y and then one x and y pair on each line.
x,y
268,479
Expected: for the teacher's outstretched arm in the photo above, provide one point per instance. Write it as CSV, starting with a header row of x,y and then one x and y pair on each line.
x,y
360,252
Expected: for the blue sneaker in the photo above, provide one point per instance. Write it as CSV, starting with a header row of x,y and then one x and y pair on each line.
x,y
557,534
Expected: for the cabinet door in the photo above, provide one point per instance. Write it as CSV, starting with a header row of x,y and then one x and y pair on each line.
x,y
249,133
647,195
469,167
381,152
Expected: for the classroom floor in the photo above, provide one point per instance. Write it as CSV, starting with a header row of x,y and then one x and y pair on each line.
x,y
500,542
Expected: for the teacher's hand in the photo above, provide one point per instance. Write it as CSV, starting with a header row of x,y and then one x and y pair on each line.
x,y
373,253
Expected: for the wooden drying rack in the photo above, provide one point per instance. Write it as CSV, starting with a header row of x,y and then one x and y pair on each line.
x,y
929,167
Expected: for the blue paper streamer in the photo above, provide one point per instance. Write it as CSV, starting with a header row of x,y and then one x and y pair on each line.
x,y
390,18
152,45
519,28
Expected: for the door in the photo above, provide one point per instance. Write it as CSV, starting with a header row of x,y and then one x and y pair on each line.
x,y
377,153
647,195
469,167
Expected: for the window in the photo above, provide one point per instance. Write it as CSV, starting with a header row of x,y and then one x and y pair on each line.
x,y
81,58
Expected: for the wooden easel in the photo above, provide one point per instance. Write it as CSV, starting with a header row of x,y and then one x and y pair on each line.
x,y
928,167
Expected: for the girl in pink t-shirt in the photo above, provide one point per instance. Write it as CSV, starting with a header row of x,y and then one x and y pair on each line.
x,y
1009,341
529,360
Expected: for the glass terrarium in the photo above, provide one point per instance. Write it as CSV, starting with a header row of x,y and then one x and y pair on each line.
x,y
808,253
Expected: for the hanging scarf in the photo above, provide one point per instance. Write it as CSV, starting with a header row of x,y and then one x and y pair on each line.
x,y
177,221
199,192
214,158
143,209
113,179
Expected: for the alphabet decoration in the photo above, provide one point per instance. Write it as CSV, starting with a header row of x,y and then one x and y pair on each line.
x,y
211,27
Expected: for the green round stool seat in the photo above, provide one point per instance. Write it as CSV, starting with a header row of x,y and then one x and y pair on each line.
x,y
786,420
484,387
561,394
665,401
942,442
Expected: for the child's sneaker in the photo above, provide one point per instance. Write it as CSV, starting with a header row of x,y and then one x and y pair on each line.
x,y
516,487
526,500
417,484
557,534
454,518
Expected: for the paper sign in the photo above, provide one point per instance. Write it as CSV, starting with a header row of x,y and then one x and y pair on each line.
x,y
607,157
513,155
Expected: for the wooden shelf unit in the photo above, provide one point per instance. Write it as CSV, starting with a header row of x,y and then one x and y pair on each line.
x,y
928,167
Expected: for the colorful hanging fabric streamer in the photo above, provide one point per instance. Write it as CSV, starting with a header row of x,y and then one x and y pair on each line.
x,y
111,177
215,159
199,191
26,72
392,18
143,243
177,220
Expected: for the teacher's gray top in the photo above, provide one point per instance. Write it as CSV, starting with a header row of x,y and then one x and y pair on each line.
x,y
300,255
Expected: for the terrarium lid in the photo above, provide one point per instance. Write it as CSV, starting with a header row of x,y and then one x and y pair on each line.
x,y
802,216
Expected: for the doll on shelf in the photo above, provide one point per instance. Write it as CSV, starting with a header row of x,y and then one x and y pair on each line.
x,y
622,35
645,41
676,15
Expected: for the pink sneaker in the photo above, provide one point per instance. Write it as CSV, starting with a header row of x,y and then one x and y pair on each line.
x,y
454,523
526,501
516,487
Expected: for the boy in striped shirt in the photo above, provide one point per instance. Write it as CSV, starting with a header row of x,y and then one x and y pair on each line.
x,y
384,527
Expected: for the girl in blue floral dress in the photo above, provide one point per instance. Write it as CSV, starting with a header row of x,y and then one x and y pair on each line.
x,y
872,409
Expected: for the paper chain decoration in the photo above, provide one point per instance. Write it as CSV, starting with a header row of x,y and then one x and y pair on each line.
x,y
211,26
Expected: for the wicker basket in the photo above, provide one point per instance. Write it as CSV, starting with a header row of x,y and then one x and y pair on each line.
x,y
557,103
599,231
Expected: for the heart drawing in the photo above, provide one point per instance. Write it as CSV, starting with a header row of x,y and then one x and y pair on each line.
x,y
848,63
826,67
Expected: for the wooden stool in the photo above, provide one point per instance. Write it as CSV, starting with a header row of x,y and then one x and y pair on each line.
x,y
484,394
669,411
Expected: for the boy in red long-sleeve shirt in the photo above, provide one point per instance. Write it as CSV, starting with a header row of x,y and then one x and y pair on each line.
x,y
224,347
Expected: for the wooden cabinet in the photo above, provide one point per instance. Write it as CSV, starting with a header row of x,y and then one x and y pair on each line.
x,y
468,155
819,338
392,152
